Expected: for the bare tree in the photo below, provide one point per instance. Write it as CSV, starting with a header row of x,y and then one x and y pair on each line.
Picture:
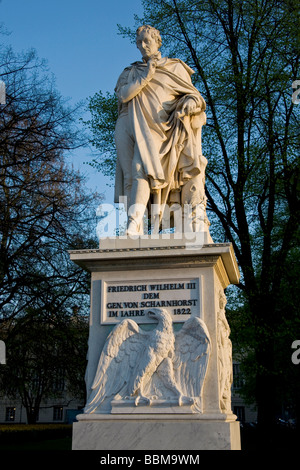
x,y
44,208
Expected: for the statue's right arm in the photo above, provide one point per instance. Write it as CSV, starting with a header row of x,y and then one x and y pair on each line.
x,y
127,90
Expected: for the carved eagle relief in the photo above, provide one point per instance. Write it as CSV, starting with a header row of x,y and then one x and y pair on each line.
x,y
145,366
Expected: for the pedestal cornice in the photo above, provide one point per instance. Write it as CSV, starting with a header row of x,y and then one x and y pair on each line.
x,y
132,256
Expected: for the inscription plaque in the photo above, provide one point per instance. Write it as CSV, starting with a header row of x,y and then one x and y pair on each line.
x,y
132,299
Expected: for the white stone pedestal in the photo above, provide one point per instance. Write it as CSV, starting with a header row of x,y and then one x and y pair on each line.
x,y
130,275
155,432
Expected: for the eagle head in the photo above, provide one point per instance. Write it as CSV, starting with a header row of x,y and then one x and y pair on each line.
x,y
159,314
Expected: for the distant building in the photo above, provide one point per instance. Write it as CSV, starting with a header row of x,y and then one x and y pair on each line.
x,y
245,413
51,411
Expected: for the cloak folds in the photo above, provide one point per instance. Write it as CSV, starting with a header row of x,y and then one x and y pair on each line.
x,y
168,143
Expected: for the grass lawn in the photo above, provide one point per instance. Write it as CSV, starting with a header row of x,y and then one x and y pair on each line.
x,y
49,444
35,437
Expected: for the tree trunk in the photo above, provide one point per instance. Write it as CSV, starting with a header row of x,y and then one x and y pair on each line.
x,y
32,415
265,382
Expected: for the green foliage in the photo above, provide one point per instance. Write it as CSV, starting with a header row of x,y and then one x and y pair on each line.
x,y
104,114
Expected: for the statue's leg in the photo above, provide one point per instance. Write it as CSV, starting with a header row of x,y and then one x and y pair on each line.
x,y
125,151
140,193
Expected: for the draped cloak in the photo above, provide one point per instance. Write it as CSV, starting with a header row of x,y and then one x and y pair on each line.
x,y
169,147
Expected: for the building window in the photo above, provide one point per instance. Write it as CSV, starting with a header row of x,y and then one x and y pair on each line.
x,y
57,413
238,381
10,413
240,412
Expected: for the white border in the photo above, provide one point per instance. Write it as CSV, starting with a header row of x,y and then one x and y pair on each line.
x,y
198,309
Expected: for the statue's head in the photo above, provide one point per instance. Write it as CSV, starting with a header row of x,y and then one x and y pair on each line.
x,y
148,40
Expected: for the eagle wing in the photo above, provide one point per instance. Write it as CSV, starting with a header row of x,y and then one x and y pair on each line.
x,y
192,350
117,361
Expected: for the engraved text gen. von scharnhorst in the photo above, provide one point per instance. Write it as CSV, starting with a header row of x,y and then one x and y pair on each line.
x,y
121,301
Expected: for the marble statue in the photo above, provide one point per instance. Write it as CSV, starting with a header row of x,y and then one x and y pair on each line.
x,y
147,367
158,138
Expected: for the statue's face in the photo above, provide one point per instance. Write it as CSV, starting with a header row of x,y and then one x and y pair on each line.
x,y
146,44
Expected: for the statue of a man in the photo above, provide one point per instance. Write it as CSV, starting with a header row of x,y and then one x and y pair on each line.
x,y
158,135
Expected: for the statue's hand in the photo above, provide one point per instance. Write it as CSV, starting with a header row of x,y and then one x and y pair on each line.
x,y
189,107
151,67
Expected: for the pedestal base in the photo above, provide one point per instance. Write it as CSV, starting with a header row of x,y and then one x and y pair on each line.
x,y
155,432
187,278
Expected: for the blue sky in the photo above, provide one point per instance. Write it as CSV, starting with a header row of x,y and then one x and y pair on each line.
x,y
80,41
